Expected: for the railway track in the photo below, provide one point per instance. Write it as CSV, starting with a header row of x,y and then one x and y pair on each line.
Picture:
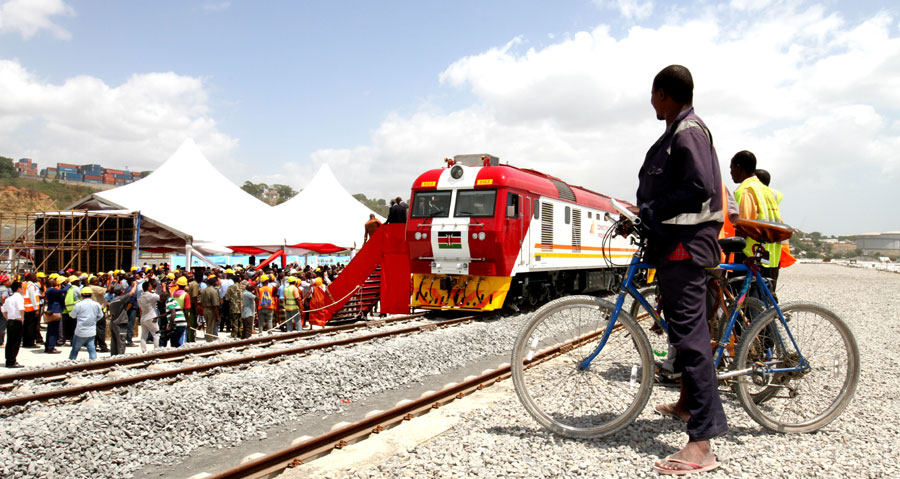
x,y
78,390
272,464
139,360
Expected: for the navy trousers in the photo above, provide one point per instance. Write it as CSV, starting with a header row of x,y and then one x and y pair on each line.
x,y
682,286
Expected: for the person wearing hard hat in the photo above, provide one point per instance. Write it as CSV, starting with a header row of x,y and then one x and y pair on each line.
x,y
31,336
292,311
176,306
73,295
87,313
55,302
266,306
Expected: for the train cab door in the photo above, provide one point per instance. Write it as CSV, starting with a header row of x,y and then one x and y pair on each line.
x,y
515,214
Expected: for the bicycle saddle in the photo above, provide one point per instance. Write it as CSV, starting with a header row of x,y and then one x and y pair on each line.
x,y
734,244
763,231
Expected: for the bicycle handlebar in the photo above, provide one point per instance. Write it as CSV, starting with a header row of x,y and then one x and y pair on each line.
x,y
624,211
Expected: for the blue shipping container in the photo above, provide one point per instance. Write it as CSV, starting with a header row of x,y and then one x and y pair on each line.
x,y
66,168
93,181
123,177
72,176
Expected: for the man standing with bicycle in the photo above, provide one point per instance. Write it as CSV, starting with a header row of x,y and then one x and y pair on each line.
x,y
680,199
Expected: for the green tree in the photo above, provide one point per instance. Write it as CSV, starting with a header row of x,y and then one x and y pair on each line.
x,y
255,189
284,193
7,170
377,205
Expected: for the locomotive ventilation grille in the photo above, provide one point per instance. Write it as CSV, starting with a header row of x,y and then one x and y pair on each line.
x,y
576,230
565,192
546,226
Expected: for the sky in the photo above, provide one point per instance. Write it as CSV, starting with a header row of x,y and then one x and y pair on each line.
x,y
383,91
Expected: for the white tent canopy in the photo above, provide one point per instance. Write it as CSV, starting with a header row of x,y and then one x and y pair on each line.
x,y
185,171
322,213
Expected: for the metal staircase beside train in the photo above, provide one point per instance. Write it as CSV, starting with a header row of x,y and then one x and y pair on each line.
x,y
363,301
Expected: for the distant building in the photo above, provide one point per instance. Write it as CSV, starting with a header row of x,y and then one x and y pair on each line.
x,y
882,244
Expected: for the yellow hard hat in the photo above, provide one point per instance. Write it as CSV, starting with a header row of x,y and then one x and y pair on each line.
x,y
264,277
170,276
229,271
134,268
73,278
53,275
41,275
182,281
86,290
318,281
176,271
291,279
212,276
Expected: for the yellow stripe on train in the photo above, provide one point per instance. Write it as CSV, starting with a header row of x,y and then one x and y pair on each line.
x,y
467,293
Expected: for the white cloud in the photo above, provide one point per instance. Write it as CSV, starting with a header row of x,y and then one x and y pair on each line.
x,y
815,97
83,120
28,17
216,6
632,9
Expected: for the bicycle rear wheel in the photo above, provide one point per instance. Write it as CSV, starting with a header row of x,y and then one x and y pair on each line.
x,y
606,397
797,402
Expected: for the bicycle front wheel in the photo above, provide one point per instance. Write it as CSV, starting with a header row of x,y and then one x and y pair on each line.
x,y
797,401
577,402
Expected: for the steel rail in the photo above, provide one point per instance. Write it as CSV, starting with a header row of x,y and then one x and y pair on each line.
x,y
275,462
105,385
176,353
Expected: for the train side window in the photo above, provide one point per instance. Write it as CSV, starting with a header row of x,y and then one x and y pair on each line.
x,y
568,215
512,205
537,209
589,215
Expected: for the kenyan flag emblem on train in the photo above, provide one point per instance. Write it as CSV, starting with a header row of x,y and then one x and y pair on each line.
x,y
449,240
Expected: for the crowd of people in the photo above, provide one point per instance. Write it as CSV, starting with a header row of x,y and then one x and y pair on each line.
x,y
170,306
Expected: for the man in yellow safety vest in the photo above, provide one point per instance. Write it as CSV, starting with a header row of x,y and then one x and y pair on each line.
x,y
756,201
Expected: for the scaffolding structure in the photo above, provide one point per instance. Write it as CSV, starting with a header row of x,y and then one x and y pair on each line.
x,y
83,240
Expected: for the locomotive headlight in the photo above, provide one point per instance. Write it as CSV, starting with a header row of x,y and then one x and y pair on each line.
x,y
474,235
418,235
424,235
481,235
456,172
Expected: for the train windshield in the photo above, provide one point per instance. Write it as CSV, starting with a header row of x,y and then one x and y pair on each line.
x,y
475,203
431,204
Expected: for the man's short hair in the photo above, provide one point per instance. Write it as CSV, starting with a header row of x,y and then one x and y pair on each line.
x,y
764,176
745,160
15,286
675,81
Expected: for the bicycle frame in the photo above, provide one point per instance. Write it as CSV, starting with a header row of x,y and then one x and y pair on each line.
x,y
751,273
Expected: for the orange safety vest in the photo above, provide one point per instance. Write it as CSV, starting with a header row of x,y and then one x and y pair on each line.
x,y
28,306
727,230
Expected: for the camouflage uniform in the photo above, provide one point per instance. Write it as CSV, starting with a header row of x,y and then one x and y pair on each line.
x,y
233,296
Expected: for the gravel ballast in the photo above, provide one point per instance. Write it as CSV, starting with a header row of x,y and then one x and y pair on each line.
x,y
502,441
159,423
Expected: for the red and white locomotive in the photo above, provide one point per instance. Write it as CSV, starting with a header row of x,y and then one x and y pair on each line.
x,y
482,235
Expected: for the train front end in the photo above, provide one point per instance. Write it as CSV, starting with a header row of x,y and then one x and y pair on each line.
x,y
461,246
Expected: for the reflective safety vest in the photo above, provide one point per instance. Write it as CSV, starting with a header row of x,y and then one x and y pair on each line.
x,y
291,293
71,299
766,209
28,306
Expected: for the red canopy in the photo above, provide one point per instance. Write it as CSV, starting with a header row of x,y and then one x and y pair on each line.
x,y
321,248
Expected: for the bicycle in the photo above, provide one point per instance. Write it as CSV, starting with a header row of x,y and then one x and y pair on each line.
x,y
582,367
